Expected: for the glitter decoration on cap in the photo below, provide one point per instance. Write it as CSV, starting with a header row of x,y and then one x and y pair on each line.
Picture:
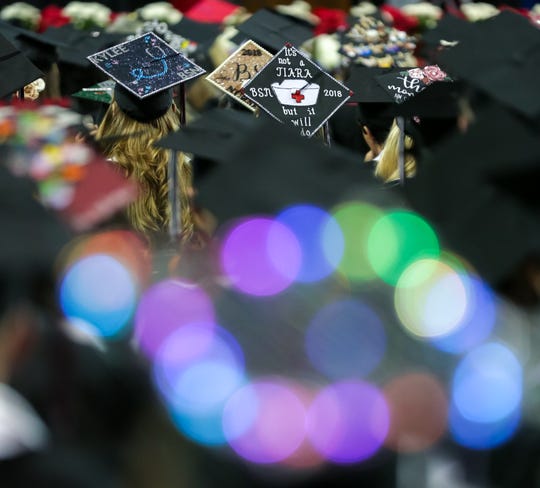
x,y
372,43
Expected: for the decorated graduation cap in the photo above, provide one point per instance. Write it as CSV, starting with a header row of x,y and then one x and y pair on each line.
x,y
231,75
406,84
507,67
439,101
294,90
145,70
273,30
17,70
370,42
100,92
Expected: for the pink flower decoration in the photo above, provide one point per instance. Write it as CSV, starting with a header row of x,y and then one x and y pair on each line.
x,y
416,73
434,73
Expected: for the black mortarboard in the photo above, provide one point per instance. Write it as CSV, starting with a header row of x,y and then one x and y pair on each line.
x,y
198,32
438,101
273,30
212,136
265,178
502,58
450,29
79,44
406,84
39,48
374,103
479,189
363,82
143,109
17,70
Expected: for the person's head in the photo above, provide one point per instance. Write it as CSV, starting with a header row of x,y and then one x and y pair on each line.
x,y
127,134
375,126
420,136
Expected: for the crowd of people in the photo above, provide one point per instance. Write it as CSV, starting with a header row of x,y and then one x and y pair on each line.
x,y
296,246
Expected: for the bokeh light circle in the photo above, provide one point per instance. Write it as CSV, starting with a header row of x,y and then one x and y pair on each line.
x,y
482,435
418,410
398,239
198,366
305,456
196,370
125,246
264,422
166,307
100,291
320,239
487,384
478,321
430,299
356,220
348,421
345,339
261,257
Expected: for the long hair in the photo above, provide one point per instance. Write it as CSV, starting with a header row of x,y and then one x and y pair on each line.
x,y
130,144
387,166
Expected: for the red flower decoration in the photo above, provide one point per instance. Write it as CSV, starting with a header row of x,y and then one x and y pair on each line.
x,y
331,20
400,20
434,73
51,16
183,5
211,11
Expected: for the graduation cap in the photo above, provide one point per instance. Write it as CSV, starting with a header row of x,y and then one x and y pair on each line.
x,y
363,81
231,75
505,66
479,189
439,101
145,69
199,32
265,178
273,31
39,48
374,104
406,84
450,29
372,43
294,90
18,71
79,44
100,92
212,136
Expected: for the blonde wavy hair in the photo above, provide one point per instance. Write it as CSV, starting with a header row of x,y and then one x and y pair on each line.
x,y
387,168
147,164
